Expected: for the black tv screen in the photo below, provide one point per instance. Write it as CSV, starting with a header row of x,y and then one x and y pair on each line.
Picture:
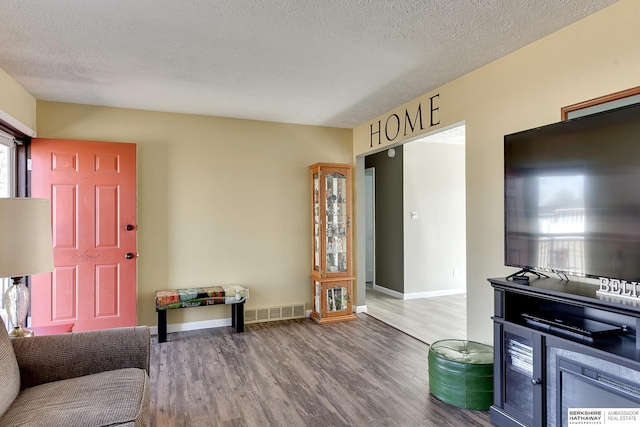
x,y
572,196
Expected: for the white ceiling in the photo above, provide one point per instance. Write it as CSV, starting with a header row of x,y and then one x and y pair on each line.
x,y
454,135
324,62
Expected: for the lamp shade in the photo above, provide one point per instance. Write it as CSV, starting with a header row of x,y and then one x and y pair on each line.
x,y
25,237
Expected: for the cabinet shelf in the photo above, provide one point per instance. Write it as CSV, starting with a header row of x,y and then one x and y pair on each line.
x,y
546,303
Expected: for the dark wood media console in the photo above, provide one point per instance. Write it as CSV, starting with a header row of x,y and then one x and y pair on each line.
x,y
559,346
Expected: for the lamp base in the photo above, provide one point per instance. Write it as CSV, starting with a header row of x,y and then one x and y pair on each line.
x,y
16,301
18,332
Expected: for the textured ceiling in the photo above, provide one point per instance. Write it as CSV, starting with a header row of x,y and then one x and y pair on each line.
x,y
328,62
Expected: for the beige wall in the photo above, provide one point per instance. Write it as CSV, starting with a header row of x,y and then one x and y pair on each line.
x,y
594,57
224,201
16,101
220,201
434,243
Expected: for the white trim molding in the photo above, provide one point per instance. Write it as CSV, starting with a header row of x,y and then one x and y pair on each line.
x,y
360,309
433,294
192,326
16,124
388,291
417,295
204,324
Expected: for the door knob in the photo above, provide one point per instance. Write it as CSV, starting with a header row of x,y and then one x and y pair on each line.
x,y
130,227
536,381
129,255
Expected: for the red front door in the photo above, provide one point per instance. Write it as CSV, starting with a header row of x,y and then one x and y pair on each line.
x,y
92,188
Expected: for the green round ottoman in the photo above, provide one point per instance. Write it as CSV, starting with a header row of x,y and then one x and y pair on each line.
x,y
461,373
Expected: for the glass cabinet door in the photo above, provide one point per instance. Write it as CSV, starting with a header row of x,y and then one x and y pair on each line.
x,y
518,372
336,223
337,299
522,377
316,223
332,300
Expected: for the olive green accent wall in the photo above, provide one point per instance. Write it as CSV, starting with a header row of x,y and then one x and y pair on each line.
x,y
389,234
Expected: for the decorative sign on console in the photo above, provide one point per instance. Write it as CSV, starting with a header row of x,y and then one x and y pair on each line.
x,y
618,288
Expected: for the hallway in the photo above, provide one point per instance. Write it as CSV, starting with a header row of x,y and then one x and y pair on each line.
x,y
426,319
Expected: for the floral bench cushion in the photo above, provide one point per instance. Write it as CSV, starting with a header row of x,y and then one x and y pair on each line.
x,y
193,297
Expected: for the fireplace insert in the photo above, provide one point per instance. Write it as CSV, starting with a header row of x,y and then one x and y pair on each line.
x,y
593,385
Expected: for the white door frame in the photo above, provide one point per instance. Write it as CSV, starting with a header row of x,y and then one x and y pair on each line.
x,y
370,213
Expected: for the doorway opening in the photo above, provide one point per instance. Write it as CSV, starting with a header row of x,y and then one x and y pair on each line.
x,y
413,275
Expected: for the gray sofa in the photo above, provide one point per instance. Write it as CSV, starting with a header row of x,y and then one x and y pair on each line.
x,y
96,378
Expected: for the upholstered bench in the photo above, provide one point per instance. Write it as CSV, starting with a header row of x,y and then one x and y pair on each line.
x,y
169,299
461,373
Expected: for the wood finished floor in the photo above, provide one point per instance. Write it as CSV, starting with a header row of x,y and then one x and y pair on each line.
x,y
426,319
297,373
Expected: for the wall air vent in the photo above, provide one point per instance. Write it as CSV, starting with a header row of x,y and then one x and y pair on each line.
x,y
298,310
267,314
263,314
249,316
287,311
275,313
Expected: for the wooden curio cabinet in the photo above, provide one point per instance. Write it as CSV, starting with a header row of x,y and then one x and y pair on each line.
x,y
331,251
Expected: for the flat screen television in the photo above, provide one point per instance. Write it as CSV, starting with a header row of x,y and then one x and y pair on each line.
x,y
572,196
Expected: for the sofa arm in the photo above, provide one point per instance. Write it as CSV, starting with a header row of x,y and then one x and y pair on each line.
x,y
57,357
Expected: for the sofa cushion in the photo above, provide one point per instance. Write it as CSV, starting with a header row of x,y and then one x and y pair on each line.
x,y
109,398
10,386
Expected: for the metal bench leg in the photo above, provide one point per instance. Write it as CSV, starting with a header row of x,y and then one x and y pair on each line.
x,y
239,316
234,314
162,326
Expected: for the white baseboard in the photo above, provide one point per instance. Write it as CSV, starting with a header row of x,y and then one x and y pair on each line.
x,y
417,295
192,326
388,291
432,294
204,324
360,309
